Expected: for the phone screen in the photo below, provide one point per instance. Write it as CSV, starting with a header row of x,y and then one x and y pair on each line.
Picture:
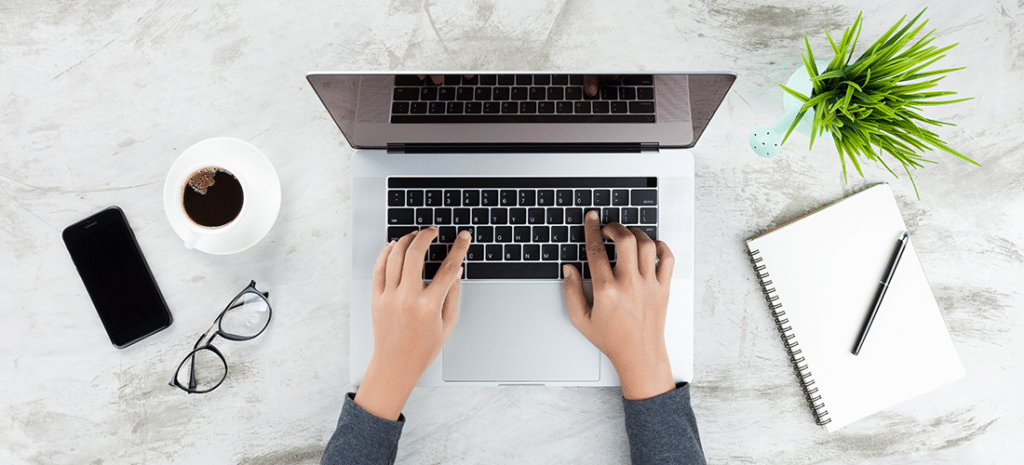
x,y
116,275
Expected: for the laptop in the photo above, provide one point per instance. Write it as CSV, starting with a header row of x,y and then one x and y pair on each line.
x,y
518,159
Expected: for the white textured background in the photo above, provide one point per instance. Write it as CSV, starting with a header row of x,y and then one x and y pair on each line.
x,y
98,97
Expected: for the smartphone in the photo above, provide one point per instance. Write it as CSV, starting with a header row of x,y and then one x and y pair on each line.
x,y
115,273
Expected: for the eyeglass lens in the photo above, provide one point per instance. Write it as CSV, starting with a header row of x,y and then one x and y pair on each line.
x,y
208,368
246,317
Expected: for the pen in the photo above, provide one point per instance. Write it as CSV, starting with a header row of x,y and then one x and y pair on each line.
x,y
883,285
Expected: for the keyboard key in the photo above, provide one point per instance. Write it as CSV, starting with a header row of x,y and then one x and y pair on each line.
x,y
611,215
507,198
464,93
400,216
609,93
545,198
480,215
400,108
446,93
619,107
520,93
630,216
470,81
527,198
651,231
620,197
524,79
568,252
424,216
583,197
509,107
430,270
648,215
454,108
469,229
408,80
559,234
414,198
531,252
541,234
396,198
643,197
428,93
517,216
406,93
418,108
581,107
460,216
482,93
575,79
527,107
435,108
521,234
437,252
503,234
554,215
577,265
446,234
645,93
501,93
506,79
527,270
488,198
452,79
471,198
396,232
549,252
560,80
563,197
545,107
474,108
641,106
513,252
602,197
492,107
538,93
433,198
601,107
627,93
556,93
563,107
535,216
485,234
475,253
573,216
499,216
541,79
488,79
452,198
442,216
492,252
639,80
574,93
577,234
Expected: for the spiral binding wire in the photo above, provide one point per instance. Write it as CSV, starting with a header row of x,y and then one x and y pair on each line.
x,y
803,374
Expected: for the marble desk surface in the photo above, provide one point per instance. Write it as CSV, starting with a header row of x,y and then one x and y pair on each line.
x,y
98,98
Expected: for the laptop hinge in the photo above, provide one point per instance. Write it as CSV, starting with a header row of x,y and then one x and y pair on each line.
x,y
623,147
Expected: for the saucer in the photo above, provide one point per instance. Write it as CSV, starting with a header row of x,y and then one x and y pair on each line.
x,y
266,200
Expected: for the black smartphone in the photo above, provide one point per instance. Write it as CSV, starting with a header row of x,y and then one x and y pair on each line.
x,y
115,273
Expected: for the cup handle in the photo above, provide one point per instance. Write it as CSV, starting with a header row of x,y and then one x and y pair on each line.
x,y
191,239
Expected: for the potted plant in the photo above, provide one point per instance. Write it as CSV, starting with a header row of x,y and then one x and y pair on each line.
x,y
872,105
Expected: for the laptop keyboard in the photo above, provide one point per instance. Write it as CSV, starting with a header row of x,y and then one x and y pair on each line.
x,y
522,98
522,228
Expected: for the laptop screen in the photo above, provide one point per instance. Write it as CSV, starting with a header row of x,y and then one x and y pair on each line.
x,y
505,111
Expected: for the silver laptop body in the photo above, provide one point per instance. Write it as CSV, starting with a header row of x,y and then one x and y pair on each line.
x,y
517,331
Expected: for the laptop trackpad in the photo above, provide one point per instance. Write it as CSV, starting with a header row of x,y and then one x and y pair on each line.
x,y
517,332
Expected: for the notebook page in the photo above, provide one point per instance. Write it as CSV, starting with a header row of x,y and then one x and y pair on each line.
x,y
826,269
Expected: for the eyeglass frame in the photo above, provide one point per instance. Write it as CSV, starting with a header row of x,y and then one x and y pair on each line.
x,y
251,288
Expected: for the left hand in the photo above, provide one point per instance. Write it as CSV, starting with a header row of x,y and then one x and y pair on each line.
x,y
411,320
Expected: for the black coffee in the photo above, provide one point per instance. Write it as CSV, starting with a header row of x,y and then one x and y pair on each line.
x,y
221,202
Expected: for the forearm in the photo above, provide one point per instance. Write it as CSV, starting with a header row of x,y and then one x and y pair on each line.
x,y
663,429
362,438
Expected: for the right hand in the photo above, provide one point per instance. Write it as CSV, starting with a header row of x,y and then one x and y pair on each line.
x,y
627,318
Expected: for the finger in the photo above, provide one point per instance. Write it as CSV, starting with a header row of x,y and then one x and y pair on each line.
x,y
625,246
597,256
437,79
393,273
647,252
666,261
590,84
450,308
379,276
451,268
412,269
576,300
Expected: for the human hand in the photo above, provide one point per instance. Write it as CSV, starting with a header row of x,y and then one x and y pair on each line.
x,y
627,318
411,320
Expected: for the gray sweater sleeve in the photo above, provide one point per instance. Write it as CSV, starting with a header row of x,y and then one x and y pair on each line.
x,y
662,429
362,438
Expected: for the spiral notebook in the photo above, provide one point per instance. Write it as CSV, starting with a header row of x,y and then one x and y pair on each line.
x,y
820,274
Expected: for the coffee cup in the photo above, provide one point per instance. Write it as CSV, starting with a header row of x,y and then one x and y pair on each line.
x,y
221,196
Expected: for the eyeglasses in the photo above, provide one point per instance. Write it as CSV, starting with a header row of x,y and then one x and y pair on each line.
x,y
204,369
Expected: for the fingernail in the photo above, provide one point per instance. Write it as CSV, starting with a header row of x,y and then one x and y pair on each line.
x,y
567,270
592,214
464,234
433,227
